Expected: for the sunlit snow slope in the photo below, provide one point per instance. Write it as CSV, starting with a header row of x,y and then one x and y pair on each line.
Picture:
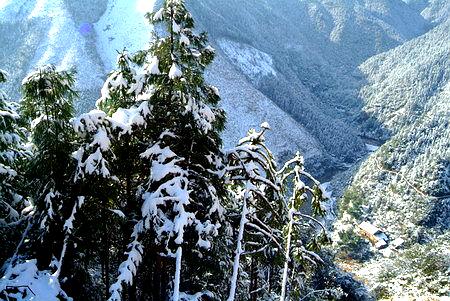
x,y
41,32
123,25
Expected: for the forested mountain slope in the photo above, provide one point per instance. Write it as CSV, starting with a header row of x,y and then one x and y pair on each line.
x,y
325,74
300,56
36,33
307,55
404,187
437,10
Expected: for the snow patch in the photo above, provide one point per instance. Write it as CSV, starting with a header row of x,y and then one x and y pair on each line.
x,y
3,3
118,212
326,190
121,27
371,148
175,71
253,62
39,285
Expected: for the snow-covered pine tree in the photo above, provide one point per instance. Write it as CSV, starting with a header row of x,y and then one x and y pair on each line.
x,y
188,149
304,233
258,200
152,117
10,138
181,208
12,152
102,192
48,95
110,168
39,257
275,234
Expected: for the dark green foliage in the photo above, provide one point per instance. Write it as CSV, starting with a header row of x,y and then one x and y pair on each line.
x,y
354,246
12,155
352,202
47,104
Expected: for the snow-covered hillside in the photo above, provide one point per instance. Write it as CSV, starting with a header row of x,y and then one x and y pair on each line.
x,y
123,25
34,33
88,34
406,82
404,187
314,49
437,10
246,108
253,63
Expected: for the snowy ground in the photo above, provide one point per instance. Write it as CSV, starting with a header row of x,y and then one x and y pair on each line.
x,y
32,284
371,148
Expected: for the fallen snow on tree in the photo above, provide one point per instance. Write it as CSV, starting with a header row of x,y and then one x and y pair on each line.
x,y
175,71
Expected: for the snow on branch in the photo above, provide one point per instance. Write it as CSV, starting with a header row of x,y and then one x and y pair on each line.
x,y
263,188
68,226
128,268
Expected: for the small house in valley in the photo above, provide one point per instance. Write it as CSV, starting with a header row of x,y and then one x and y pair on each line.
x,y
377,237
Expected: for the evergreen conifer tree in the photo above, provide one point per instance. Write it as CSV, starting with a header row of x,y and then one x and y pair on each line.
x,y
47,102
152,150
12,153
48,172
10,150
177,141
110,168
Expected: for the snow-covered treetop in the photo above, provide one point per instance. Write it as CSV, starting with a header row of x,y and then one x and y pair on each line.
x,y
48,94
124,87
182,57
185,45
48,104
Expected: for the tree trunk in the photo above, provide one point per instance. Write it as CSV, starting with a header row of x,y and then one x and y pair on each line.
x,y
253,280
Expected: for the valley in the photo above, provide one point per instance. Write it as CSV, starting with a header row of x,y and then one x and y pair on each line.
x,y
360,87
